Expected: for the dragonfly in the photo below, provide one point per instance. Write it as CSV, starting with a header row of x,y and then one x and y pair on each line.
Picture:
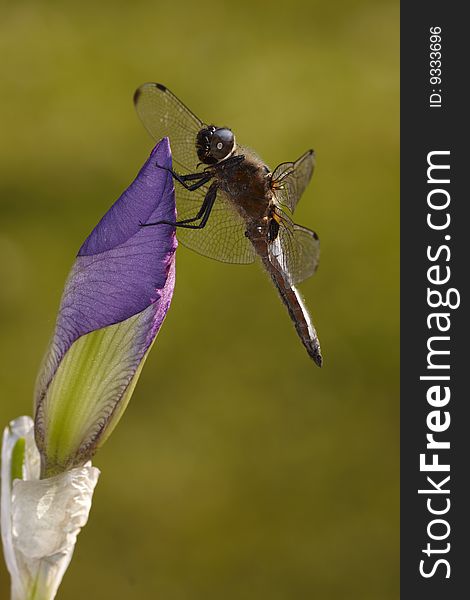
x,y
231,207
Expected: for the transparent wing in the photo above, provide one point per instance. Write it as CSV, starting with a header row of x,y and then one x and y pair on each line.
x,y
290,179
164,115
223,237
297,250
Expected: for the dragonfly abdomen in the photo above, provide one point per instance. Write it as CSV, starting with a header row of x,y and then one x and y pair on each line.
x,y
298,314
289,293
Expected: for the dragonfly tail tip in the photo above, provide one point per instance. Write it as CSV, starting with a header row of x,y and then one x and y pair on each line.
x,y
315,354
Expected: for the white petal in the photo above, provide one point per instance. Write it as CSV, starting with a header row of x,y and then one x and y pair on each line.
x,y
41,518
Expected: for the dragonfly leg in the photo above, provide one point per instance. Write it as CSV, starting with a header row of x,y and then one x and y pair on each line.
x,y
203,213
200,178
200,183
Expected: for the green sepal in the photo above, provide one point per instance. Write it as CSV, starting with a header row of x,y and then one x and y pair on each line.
x,y
89,392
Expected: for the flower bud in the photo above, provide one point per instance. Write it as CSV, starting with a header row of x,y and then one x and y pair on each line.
x,y
113,305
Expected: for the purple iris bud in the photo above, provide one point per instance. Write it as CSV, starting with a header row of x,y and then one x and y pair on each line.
x,y
113,305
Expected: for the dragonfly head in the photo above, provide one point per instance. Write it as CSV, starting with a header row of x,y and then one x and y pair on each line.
x,y
214,144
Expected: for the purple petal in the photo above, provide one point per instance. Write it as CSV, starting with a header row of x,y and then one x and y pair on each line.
x,y
148,198
90,397
122,268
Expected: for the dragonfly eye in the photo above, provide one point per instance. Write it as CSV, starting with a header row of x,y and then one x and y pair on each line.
x,y
222,143
203,145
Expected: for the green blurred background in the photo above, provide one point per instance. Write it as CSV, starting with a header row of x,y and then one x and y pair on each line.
x,y
240,469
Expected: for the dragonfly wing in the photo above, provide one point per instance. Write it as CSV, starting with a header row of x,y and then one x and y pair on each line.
x,y
290,179
223,237
164,115
296,250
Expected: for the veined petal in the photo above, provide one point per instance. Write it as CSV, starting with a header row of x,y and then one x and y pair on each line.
x,y
93,384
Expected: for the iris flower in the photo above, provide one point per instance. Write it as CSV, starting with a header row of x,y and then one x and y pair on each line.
x,y
113,305
115,300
